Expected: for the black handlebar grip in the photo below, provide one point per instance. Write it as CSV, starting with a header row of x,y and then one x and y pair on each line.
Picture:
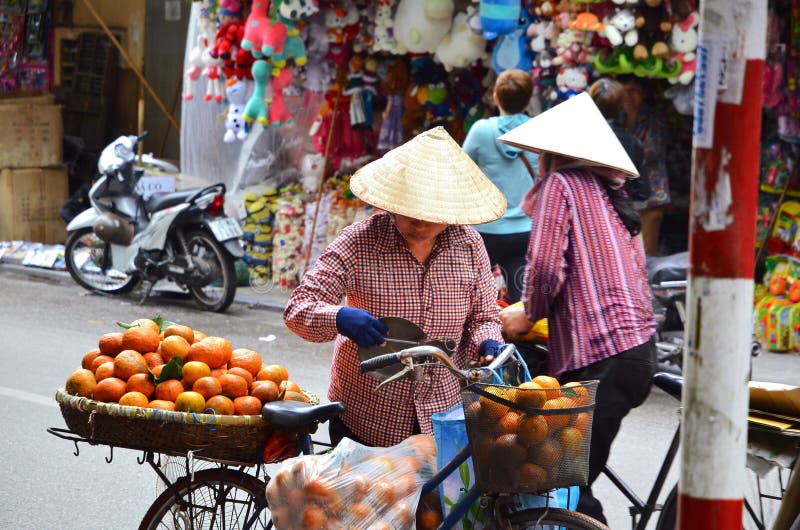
x,y
381,361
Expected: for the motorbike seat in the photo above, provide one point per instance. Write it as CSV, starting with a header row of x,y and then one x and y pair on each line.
x,y
667,268
161,200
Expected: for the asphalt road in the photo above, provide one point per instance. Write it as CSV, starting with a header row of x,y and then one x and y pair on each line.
x,y
46,325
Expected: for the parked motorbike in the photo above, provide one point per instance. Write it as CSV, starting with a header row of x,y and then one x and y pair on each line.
x,y
182,237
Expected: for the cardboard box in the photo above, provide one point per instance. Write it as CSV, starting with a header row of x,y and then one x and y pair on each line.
x,y
30,133
30,200
775,406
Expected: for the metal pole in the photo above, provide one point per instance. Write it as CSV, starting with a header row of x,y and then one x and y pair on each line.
x,y
725,158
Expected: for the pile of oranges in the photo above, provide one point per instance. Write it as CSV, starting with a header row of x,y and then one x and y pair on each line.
x,y
157,364
355,486
529,451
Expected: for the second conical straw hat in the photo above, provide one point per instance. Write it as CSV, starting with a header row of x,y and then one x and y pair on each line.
x,y
576,128
432,179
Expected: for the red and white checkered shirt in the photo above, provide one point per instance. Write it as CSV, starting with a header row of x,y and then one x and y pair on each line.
x,y
585,273
453,297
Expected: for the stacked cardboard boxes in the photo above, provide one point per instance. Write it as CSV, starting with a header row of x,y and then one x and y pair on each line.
x,y
33,179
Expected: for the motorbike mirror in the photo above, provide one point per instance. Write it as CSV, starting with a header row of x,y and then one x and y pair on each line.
x,y
144,135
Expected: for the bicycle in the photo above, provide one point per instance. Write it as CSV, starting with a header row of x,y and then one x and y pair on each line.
x,y
230,496
641,511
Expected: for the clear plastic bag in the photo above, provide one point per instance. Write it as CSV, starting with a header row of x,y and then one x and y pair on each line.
x,y
353,486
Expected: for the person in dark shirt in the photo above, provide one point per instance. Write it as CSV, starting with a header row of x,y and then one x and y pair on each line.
x,y
608,95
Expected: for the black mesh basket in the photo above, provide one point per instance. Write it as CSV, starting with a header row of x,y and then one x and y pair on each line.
x,y
529,440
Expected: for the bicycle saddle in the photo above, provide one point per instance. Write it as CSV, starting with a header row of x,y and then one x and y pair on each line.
x,y
299,414
669,383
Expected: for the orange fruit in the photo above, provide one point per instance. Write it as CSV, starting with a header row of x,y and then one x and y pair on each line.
x,y
547,454
194,370
142,383
241,372
532,430
89,357
161,404
428,519
404,485
314,517
273,372
100,359
266,391
361,511
109,390
233,386
508,449
81,382
581,422
190,401
402,514
510,422
207,386
280,515
221,405
142,339
247,406
248,359
104,371
216,372
110,343
129,362
533,394
295,396
198,336
157,369
533,476
214,351
153,359
146,323
320,490
179,330
571,440
551,383
168,390
173,346
133,399
578,393
557,421
289,386
384,493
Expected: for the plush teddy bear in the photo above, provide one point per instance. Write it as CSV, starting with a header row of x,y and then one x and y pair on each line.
x,y
622,26
235,126
683,41
570,81
420,25
460,47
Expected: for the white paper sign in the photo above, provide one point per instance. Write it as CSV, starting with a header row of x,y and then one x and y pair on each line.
x,y
710,52
150,185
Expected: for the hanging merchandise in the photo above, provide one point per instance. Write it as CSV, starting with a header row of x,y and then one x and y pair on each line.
x,y
287,239
420,25
12,34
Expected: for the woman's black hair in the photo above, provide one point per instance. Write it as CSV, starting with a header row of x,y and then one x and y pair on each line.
x,y
624,208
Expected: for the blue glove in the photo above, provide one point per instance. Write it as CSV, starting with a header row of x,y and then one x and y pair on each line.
x,y
360,327
489,347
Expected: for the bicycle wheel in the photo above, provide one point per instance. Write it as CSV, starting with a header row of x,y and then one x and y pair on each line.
x,y
668,517
215,499
546,518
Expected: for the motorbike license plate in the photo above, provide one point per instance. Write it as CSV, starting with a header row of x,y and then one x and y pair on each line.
x,y
225,228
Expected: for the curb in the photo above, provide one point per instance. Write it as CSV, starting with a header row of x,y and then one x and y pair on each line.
x,y
242,298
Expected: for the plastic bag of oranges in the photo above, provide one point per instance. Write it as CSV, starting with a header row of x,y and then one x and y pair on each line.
x,y
353,486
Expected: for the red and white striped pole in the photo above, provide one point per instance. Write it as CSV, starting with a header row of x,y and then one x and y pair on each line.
x,y
725,160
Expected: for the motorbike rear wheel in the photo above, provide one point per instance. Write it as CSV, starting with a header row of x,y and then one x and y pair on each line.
x,y
93,272
215,262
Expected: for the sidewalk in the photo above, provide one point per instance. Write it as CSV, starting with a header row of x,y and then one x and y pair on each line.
x,y
263,297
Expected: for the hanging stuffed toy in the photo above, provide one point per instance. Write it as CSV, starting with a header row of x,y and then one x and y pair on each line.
x,y
397,79
278,113
570,82
235,125
461,47
256,108
262,35
499,17
383,40
512,49
229,35
420,25
198,53
683,41
212,71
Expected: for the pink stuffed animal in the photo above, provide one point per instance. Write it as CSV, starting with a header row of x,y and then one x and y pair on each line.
x,y
278,113
683,41
262,36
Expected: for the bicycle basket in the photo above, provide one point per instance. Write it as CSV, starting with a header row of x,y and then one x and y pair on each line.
x,y
238,439
529,440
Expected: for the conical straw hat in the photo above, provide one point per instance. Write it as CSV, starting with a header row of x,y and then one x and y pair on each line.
x,y
575,129
430,178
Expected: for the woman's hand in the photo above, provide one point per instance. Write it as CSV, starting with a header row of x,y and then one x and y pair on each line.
x,y
514,321
360,326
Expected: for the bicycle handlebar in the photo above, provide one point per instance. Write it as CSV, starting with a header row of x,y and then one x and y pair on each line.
x,y
381,361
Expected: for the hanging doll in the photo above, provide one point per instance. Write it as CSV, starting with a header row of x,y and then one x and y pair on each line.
x,y
355,88
229,35
397,79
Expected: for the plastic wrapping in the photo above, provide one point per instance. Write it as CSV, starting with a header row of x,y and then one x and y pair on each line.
x,y
353,486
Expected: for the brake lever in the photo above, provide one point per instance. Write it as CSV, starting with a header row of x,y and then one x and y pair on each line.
x,y
405,372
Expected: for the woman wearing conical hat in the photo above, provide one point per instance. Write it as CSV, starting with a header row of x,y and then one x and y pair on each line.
x,y
416,259
585,268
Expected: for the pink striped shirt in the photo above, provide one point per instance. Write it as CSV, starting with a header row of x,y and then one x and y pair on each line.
x,y
585,272
453,296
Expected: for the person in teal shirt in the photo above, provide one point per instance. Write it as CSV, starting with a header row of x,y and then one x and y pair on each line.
x,y
506,239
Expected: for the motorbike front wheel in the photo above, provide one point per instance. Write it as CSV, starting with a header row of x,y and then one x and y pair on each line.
x,y
217,288
88,261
